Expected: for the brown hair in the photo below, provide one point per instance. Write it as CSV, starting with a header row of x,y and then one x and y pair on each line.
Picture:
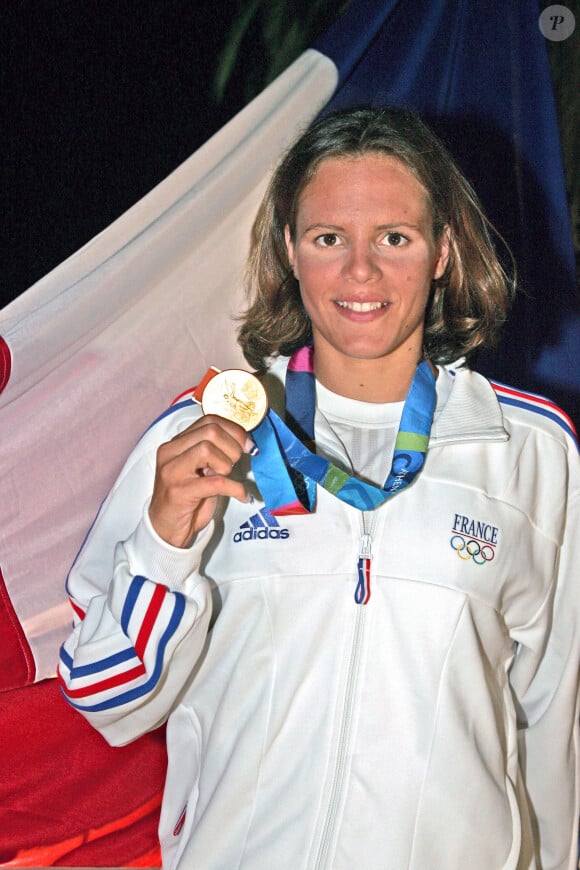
x,y
468,304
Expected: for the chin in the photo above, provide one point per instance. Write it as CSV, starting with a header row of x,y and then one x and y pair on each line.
x,y
379,346
364,354
365,349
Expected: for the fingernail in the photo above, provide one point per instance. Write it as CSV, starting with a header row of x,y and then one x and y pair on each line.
x,y
250,447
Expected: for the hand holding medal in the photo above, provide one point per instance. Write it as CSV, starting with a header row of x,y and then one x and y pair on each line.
x,y
194,468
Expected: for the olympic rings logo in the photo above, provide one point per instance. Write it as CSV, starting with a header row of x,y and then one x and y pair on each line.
x,y
470,548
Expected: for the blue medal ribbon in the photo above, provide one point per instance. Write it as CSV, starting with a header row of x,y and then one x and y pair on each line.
x,y
287,471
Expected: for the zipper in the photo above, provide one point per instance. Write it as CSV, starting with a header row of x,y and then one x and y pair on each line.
x,y
369,520
362,592
343,742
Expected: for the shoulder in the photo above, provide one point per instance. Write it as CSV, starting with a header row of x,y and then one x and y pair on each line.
x,y
535,412
181,413
524,444
478,408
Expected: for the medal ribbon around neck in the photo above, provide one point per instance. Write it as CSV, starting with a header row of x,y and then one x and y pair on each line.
x,y
287,471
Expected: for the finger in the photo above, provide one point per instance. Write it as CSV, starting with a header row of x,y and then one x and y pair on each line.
x,y
207,445
215,427
218,485
201,459
179,526
229,439
186,493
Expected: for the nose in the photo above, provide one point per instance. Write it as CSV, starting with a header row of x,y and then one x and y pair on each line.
x,y
361,264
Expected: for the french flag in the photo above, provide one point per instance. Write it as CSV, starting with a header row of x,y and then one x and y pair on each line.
x,y
94,351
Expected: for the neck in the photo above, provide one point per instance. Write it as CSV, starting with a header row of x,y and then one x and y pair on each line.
x,y
383,380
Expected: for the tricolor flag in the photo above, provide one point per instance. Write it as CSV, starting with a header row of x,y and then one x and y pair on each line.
x,y
94,351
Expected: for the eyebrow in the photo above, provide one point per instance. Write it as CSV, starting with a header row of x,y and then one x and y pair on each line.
x,y
337,228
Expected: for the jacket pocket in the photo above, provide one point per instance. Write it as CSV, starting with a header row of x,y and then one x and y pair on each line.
x,y
181,784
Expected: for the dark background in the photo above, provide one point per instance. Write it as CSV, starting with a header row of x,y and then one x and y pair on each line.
x,y
102,99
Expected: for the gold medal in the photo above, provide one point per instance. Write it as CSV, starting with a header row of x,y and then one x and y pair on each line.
x,y
234,394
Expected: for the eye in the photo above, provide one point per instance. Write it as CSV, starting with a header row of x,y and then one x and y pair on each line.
x,y
395,240
327,240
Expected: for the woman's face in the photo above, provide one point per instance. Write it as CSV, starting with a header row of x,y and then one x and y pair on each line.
x,y
365,256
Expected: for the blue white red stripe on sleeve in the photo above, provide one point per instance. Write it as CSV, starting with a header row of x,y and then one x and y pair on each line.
x,y
151,616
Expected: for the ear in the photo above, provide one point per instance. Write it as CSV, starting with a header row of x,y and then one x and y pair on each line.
x,y
290,249
444,248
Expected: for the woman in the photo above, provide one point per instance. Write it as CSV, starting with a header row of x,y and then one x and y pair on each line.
x,y
360,623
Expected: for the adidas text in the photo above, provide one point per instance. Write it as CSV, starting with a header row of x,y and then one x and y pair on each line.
x,y
253,534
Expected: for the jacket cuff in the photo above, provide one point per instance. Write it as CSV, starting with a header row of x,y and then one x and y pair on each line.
x,y
152,557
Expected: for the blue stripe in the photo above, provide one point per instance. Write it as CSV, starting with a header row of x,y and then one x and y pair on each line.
x,y
132,595
117,658
270,520
104,664
65,658
538,409
260,520
149,685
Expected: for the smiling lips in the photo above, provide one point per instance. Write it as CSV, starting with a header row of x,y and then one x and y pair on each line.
x,y
361,307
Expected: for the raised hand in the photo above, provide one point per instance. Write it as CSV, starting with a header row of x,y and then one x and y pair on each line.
x,y
193,469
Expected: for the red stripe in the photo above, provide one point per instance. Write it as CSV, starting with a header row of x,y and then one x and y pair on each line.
x,y
139,670
533,399
530,397
103,685
149,621
368,580
180,822
182,396
78,610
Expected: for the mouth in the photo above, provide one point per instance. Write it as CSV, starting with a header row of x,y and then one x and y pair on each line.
x,y
361,307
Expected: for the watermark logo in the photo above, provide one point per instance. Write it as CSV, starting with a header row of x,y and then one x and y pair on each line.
x,y
557,23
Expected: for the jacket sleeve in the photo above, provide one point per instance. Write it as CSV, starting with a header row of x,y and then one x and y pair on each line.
x,y
548,681
141,611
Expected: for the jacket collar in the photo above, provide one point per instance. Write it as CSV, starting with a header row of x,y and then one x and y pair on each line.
x,y
471,413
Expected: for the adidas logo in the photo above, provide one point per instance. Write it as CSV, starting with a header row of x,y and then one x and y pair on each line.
x,y
260,526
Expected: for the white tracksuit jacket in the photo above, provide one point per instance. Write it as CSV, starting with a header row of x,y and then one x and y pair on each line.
x,y
434,727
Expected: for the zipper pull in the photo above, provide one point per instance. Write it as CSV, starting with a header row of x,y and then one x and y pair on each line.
x,y
362,592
